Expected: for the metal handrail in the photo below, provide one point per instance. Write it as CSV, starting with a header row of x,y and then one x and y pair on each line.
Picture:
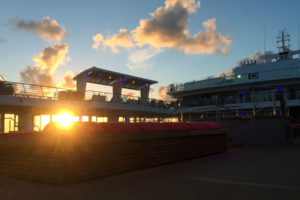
x,y
58,93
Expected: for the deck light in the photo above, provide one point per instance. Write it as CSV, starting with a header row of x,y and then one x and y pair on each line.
x,y
239,76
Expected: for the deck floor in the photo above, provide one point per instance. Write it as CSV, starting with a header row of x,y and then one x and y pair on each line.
x,y
265,173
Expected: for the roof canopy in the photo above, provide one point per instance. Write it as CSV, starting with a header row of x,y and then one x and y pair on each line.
x,y
106,77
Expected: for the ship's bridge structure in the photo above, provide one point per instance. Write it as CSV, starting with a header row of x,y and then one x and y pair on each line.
x,y
27,107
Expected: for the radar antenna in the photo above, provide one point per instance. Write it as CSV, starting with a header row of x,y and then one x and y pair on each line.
x,y
283,41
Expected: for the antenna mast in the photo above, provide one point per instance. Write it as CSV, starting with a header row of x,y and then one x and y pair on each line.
x,y
265,37
283,41
298,36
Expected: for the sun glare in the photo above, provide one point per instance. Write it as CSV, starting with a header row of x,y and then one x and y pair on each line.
x,y
64,119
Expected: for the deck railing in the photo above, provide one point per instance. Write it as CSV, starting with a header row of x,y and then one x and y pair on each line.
x,y
288,70
200,84
56,93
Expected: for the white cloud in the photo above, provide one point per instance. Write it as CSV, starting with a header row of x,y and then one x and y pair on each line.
x,y
68,81
46,63
98,38
168,29
122,39
140,59
162,94
47,28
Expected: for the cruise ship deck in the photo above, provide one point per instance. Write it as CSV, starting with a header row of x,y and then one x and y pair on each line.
x,y
27,107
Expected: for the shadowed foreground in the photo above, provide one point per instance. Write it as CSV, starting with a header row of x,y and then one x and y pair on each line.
x,y
271,173
87,152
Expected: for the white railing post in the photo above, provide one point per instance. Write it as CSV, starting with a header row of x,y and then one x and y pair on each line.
x,y
42,91
24,88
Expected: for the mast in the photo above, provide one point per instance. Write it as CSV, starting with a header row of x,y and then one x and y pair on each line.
x,y
283,41
298,37
283,45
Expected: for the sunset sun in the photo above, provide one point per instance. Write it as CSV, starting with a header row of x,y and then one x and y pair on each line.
x,y
64,119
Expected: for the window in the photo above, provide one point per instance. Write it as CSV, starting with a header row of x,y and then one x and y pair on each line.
x,y
10,122
253,75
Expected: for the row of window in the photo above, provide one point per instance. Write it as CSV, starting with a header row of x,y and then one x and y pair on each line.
x,y
40,121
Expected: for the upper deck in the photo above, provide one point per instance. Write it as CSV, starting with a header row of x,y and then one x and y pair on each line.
x,y
250,74
40,96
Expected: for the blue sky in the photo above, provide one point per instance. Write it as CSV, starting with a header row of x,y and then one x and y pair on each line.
x,y
243,21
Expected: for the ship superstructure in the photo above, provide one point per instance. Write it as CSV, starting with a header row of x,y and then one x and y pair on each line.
x,y
268,85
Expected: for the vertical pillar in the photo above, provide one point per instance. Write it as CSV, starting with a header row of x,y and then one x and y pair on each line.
x,y
283,100
237,112
274,102
1,122
113,117
181,115
244,97
81,85
145,93
117,91
253,103
218,114
25,121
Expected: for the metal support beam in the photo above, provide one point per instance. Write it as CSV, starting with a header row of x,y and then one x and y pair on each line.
x,y
117,91
1,122
81,84
145,93
25,120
